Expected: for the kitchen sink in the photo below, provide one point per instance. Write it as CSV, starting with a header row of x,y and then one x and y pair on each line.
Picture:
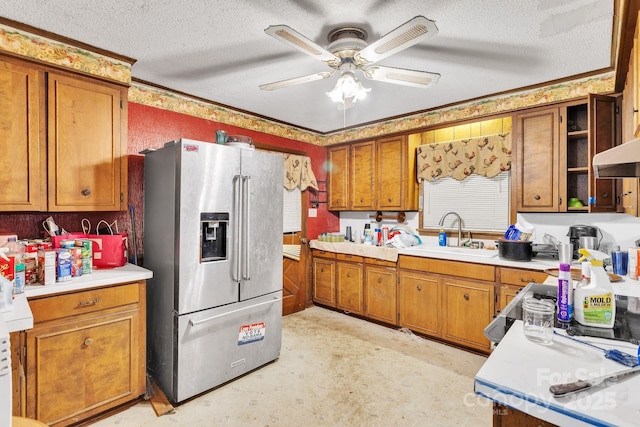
x,y
482,253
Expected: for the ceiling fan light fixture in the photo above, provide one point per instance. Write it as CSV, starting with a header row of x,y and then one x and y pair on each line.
x,y
348,88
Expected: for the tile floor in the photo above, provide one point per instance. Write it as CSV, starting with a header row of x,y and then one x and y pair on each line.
x,y
336,370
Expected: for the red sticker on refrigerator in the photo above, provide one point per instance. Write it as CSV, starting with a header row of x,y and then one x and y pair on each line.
x,y
251,333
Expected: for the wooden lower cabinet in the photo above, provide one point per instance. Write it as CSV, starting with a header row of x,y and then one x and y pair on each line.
x,y
349,286
503,416
380,294
468,308
324,281
86,353
419,302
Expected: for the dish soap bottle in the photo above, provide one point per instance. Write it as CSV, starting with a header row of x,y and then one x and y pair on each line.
x,y
594,302
442,238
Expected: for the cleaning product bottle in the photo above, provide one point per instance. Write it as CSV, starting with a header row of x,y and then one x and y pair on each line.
x,y
565,283
595,304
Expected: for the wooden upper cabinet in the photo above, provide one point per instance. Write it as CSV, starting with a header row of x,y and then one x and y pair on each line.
x,y
553,151
363,173
538,157
63,137
87,152
602,136
379,175
338,188
23,157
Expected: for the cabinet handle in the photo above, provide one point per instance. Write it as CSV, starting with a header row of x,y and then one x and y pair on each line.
x,y
537,197
605,195
88,341
466,297
379,279
88,303
361,200
322,270
348,274
523,280
390,199
419,288
86,192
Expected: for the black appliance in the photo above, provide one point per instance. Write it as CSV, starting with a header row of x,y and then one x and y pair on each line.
x,y
577,231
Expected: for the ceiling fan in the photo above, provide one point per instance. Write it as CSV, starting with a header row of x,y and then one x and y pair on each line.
x,y
348,51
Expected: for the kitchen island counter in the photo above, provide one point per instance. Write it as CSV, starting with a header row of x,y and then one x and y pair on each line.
x,y
519,372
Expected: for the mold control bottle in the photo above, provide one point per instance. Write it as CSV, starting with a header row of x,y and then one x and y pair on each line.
x,y
594,303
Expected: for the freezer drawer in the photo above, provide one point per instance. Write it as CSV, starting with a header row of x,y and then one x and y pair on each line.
x,y
217,345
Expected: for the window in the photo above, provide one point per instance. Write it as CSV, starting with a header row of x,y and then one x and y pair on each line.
x,y
482,203
292,210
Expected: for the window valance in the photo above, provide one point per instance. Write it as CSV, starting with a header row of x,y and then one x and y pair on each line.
x,y
485,156
298,173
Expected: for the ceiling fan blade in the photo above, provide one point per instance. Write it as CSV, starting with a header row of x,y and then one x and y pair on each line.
x,y
407,34
297,80
296,40
401,76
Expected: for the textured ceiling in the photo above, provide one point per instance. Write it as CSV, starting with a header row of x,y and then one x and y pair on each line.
x,y
217,50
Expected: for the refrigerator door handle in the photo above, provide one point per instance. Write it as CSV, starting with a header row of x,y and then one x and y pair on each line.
x,y
246,238
217,316
237,217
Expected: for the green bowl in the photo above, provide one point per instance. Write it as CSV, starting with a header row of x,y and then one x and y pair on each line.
x,y
574,202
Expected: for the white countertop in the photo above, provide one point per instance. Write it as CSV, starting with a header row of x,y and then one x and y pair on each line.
x,y
21,318
433,251
102,277
519,372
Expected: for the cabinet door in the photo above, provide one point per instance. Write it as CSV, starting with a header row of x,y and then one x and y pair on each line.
x,y
23,148
363,156
507,293
338,187
419,302
324,279
602,128
468,309
87,151
80,368
538,156
380,294
392,173
349,287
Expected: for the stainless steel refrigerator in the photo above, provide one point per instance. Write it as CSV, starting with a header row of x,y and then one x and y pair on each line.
x,y
213,239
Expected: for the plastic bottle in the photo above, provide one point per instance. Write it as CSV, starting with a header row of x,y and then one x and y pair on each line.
x,y
595,302
442,238
19,279
565,284
6,294
632,266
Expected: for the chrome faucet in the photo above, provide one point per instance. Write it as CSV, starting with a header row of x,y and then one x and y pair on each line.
x,y
459,224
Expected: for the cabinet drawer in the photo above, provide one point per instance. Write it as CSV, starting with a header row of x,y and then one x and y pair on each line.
x,y
323,254
349,257
514,276
450,268
380,262
59,306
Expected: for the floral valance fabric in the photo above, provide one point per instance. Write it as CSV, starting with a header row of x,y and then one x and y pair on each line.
x,y
298,173
485,155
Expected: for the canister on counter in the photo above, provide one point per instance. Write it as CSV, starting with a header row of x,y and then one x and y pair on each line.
x,y
87,254
76,261
63,265
385,235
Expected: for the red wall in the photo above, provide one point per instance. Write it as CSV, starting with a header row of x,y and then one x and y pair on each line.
x,y
150,128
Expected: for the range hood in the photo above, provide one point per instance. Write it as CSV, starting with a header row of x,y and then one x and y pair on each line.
x,y
622,161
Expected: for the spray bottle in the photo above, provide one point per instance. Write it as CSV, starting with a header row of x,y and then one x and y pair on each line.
x,y
595,303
